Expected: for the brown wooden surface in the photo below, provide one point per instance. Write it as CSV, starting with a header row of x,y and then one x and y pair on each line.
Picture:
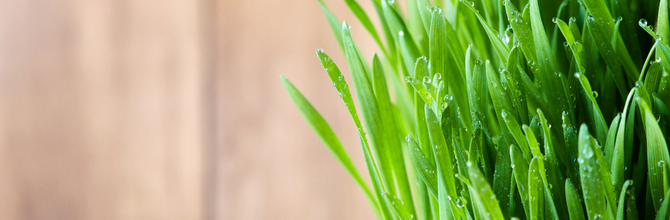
x,y
101,109
149,109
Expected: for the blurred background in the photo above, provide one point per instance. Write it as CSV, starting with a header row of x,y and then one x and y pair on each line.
x,y
171,109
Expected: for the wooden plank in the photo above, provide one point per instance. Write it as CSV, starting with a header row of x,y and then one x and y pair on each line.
x,y
101,109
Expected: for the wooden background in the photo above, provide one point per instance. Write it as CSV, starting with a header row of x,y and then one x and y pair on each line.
x,y
170,109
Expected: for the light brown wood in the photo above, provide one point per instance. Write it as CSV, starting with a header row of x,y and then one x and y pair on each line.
x,y
123,109
101,109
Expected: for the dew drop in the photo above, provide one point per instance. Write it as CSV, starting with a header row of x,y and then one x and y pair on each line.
x,y
595,94
642,22
459,203
478,62
554,20
426,79
591,19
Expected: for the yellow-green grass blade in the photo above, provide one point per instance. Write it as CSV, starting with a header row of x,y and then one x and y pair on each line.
x,y
393,145
367,101
498,45
514,128
575,208
483,195
425,168
522,31
439,57
536,191
477,88
327,136
365,20
575,47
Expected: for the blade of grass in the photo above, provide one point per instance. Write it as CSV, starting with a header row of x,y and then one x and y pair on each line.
x,y
575,209
327,136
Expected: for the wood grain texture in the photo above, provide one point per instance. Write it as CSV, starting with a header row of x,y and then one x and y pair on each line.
x,y
101,109
123,109
271,165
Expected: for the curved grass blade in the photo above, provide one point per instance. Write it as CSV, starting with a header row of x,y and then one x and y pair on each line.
x,y
327,136
604,26
372,118
611,138
594,109
441,151
622,197
513,127
499,46
623,142
575,47
657,153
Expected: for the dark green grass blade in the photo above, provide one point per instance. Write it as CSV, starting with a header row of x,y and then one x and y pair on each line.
x,y
623,143
657,152
548,69
598,121
605,26
520,169
594,194
622,198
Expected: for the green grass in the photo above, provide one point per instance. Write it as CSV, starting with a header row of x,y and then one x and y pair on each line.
x,y
507,109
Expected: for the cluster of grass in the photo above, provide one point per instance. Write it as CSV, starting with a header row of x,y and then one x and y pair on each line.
x,y
457,108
